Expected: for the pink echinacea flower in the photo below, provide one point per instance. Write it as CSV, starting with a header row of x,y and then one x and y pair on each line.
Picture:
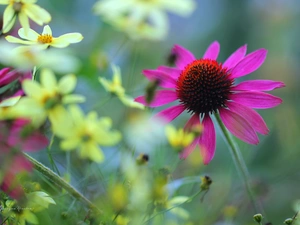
x,y
204,87
8,76
16,137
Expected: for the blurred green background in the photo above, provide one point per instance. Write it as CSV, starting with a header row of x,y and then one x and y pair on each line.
x,y
273,164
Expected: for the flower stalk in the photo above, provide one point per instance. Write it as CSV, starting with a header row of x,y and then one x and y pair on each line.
x,y
240,164
61,183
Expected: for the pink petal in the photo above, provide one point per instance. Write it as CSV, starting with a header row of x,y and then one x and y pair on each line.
x,y
193,121
188,150
212,52
9,77
165,80
238,126
35,142
235,57
256,99
161,97
10,183
207,140
249,64
258,85
172,72
253,118
171,113
183,56
4,71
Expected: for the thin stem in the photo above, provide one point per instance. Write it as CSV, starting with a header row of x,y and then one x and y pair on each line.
x,y
54,167
174,206
4,220
99,104
240,165
61,183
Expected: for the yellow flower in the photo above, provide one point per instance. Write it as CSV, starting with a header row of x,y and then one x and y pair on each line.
x,y
122,220
179,138
115,87
48,97
45,39
173,206
39,200
142,18
20,215
27,57
85,133
24,9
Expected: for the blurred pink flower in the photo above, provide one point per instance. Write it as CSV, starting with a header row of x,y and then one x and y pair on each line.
x,y
204,86
10,183
7,76
17,136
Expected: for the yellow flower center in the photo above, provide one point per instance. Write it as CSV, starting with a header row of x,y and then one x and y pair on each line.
x,y
51,101
17,6
86,137
45,38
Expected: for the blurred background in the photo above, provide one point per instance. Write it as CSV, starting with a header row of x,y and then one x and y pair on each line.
x,y
273,164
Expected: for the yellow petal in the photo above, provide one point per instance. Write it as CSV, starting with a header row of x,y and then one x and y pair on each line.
x,y
48,80
9,18
105,123
61,122
28,1
67,83
4,2
29,108
76,113
105,83
32,88
66,39
10,101
92,117
128,101
37,14
30,217
183,8
92,151
13,39
70,38
107,138
24,22
30,35
73,98
47,30
70,144
116,75
171,132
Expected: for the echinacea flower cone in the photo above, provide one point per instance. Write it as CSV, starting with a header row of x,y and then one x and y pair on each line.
x,y
204,86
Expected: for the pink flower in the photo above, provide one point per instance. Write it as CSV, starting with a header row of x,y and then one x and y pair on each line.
x,y
10,184
204,86
17,136
7,76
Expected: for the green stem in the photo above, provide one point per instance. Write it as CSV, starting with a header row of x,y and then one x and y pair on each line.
x,y
174,206
240,164
53,165
61,183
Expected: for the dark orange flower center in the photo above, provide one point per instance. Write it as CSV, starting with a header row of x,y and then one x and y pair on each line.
x,y
204,86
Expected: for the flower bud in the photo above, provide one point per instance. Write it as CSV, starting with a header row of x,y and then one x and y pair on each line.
x,y
142,159
258,217
288,221
206,182
150,90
